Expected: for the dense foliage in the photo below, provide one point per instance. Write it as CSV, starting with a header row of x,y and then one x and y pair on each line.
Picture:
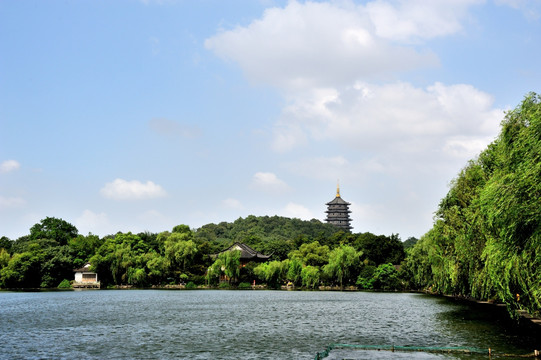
x,y
305,253
486,240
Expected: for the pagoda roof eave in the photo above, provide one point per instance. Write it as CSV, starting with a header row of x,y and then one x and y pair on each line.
x,y
338,201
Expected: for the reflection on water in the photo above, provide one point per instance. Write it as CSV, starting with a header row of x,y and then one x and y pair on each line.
x,y
154,324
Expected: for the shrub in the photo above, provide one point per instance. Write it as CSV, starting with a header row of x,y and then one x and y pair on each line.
x,y
191,286
244,286
65,284
364,283
224,285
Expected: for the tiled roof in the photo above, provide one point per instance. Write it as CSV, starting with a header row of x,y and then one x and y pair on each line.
x,y
338,201
246,252
85,268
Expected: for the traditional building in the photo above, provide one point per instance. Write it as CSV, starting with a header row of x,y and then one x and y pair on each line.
x,y
338,212
247,254
84,278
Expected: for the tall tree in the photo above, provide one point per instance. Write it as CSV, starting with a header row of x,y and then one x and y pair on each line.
x,y
55,229
343,264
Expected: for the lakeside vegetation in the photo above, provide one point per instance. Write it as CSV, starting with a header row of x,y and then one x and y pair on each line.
x,y
305,253
485,242
486,239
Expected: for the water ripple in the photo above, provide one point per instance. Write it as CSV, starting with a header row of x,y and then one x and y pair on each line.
x,y
153,324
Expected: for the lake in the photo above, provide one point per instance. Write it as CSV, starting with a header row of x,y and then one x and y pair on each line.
x,y
222,324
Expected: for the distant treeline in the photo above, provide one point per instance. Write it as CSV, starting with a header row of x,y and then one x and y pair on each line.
x,y
486,240
306,253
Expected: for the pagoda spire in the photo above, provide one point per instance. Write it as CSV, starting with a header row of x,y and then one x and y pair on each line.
x,y
338,188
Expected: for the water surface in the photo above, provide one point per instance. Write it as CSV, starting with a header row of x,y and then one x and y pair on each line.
x,y
217,324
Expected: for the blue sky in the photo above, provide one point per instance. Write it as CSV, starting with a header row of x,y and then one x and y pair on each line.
x,y
141,115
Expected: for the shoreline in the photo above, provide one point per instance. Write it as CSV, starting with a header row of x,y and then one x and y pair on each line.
x,y
524,320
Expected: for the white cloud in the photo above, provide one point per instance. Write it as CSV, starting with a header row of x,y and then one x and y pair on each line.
x,y
121,189
298,211
9,165
411,20
326,56
11,202
91,222
314,45
231,203
396,117
268,181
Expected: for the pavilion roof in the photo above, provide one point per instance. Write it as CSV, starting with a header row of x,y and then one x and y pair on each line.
x,y
246,252
85,268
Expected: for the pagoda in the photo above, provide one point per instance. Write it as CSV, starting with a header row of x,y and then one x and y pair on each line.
x,y
338,212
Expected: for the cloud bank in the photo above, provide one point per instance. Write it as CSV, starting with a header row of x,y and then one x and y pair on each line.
x,y
121,189
336,64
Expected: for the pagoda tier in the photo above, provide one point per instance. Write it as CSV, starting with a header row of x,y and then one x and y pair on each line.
x,y
338,212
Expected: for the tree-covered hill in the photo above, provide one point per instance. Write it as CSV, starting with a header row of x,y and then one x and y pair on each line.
x,y
270,234
486,240
307,253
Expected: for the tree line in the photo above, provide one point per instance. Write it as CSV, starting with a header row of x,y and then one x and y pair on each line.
x,y
305,253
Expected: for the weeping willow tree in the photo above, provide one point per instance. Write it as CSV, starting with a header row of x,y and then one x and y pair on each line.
x,y
486,239
228,264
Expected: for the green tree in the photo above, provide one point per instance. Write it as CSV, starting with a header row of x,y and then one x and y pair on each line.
x,y
157,267
83,247
22,271
381,249
228,264
215,271
311,254
4,258
386,278
137,276
231,261
343,263
277,248
53,228
180,250
273,273
182,229
6,243
294,271
117,256
487,234
310,276
410,242
365,280
56,265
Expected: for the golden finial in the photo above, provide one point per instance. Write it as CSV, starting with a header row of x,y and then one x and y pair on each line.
x,y
338,188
